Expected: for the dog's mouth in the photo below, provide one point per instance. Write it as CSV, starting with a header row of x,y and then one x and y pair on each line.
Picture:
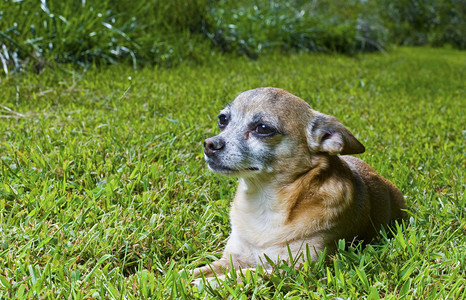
x,y
219,168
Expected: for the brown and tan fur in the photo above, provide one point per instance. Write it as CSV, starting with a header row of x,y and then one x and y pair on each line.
x,y
294,188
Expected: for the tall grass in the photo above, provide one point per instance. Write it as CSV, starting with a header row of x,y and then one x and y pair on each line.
x,y
97,32
252,27
39,33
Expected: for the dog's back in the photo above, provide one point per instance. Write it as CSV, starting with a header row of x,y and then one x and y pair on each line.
x,y
385,199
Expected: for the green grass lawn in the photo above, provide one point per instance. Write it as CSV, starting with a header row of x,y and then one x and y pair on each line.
x,y
104,192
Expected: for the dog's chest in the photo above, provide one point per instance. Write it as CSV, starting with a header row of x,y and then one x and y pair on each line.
x,y
258,218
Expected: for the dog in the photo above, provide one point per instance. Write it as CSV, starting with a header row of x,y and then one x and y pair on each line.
x,y
295,191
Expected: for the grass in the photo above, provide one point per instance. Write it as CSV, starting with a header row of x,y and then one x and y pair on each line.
x,y
104,192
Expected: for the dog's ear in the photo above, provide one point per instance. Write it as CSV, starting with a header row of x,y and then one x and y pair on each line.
x,y
326,134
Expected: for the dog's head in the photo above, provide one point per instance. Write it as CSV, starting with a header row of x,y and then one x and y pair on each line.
x,y
270,131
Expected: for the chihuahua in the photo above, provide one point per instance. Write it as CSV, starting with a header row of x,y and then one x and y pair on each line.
x,y
295,192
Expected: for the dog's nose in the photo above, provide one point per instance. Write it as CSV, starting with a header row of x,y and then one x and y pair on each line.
x,y
213,145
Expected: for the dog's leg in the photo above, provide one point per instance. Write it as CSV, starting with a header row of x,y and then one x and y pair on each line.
x,y
217,267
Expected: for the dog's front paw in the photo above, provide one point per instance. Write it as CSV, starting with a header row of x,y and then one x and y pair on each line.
x,y
213,282
197,272
203,275
205,271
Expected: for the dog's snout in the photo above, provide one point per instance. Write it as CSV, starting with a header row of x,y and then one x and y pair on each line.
x,y
213,145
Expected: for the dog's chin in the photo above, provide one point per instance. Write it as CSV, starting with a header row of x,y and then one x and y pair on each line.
x,y
231,171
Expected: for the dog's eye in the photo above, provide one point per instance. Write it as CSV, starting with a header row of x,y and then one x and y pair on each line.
x,y
222,121
264,130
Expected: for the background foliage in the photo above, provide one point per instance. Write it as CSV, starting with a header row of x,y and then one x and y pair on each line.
x,y
421,22
84,32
